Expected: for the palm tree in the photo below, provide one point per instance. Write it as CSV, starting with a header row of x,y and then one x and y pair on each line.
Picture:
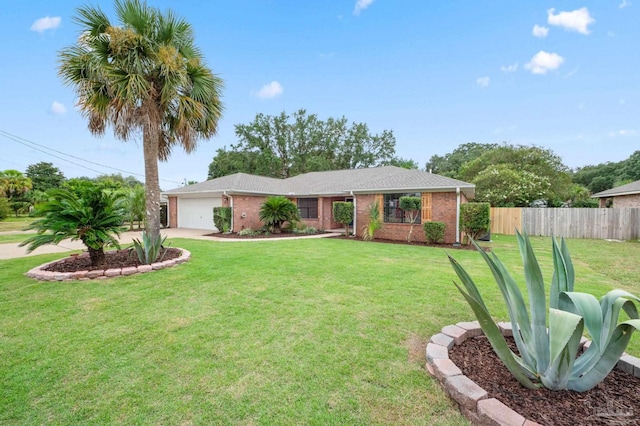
x,y
143,75
275,211
88,213
14,183
133,203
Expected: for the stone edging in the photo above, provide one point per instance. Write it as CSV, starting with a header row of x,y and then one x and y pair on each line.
x,y
39,273
474,402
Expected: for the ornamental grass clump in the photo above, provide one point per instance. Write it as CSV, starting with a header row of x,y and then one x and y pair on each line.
x,y
549,347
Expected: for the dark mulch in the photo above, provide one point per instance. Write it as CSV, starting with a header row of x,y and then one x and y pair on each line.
x,y
115,259
261,236
414,243
613,402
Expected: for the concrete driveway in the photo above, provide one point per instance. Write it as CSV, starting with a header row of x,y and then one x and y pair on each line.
x,y
11,251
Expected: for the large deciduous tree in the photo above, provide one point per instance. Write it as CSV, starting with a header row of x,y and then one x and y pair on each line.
x,y
143,75
451,163
283,146
540,171
44,176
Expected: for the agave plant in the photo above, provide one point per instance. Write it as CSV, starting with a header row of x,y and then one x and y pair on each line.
x,y
549,356
149,249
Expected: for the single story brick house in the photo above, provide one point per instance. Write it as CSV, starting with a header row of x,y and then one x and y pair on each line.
x,y
314,193
620,197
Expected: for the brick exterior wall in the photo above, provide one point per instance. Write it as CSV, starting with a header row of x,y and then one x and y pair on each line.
x,y
624,201
246,211
246,215
173,212
443,209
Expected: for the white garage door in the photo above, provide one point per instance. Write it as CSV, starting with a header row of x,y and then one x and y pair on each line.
x,y
197,213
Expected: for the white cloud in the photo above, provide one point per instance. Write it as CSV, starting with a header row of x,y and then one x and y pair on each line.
x,y
622,133
57,108
624,4
361,5
540,31
269,91
542,62
577,20
483,81
46,23
509,68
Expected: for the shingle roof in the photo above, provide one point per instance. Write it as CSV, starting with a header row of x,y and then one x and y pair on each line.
x,y
334,182
628,189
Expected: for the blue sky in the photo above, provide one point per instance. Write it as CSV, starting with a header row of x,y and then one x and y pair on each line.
x,y
561,75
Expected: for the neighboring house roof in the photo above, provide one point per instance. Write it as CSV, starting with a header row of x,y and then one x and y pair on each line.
x,y
333,182
628,189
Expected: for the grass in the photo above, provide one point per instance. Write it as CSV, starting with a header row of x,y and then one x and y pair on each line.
x,y
13,223
288,332
13,238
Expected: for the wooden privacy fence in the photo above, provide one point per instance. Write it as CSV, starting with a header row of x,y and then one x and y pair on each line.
x,y
618,224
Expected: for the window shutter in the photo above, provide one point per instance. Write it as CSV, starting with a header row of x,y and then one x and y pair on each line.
x,y
426,207
380,202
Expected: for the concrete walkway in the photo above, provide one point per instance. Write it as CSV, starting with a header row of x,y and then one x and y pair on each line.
x,y
12,251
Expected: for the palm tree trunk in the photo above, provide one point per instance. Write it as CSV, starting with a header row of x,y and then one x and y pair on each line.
x,y
150,143
97,256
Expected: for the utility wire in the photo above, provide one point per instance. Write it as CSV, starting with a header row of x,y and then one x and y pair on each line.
x,y
30,144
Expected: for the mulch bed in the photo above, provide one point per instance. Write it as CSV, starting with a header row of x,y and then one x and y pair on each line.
x,y
114,260
613,402
261,236
414,243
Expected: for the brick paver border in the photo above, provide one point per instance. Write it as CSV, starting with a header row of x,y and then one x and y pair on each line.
x,y
472,400
39,273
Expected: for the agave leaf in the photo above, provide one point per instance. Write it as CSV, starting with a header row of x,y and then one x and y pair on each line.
x,y
563,277
587,306
611,309
565,331
498,343
467,281
610,357
517,313
537,301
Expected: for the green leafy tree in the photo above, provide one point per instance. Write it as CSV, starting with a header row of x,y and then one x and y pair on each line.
x,y
44,176
343,214
275,211
631,167
5,209
412,207
536,161
579,196
88,213
405,163
475,219
503,186
601,183
451,163
143,75
133,203
117,180
283,146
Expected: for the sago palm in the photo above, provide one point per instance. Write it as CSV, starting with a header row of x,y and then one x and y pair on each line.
x,y
89,214
143,75
275,211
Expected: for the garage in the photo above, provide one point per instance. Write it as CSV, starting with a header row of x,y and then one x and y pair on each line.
x,y
197,213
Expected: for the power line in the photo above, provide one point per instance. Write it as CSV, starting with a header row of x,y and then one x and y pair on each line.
x,y
30,144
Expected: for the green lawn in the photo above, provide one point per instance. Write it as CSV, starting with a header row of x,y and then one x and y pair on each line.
x,y
13,238
13,223
288,332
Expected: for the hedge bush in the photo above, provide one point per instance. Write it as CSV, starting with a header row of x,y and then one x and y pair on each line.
x,y
475,219
222,218
434,232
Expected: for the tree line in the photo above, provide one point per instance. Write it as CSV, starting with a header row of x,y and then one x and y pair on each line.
x,y
21,192
505,175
